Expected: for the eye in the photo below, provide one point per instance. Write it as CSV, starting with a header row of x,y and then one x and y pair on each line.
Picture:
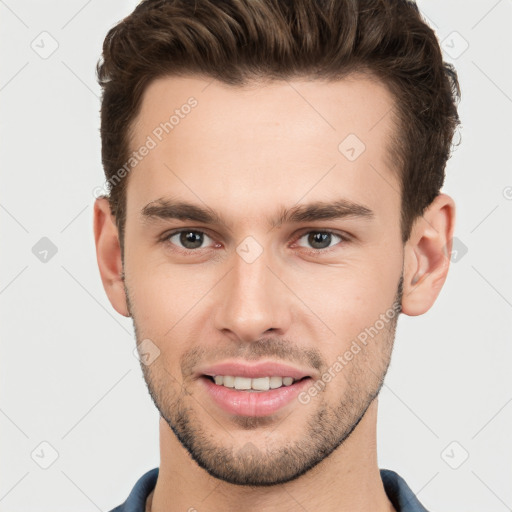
x,y
187,239
321,240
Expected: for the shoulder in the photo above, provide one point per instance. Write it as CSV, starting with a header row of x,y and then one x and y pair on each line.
x,y
399,493
136,501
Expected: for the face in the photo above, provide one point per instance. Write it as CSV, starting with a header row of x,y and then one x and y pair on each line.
x,y
263,246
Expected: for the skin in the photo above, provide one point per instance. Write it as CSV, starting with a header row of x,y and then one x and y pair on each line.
x,y
246,153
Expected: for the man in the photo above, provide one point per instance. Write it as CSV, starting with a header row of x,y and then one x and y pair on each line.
x,y
274,173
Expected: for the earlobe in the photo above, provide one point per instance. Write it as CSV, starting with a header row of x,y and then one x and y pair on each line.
x,y
108,254
427,256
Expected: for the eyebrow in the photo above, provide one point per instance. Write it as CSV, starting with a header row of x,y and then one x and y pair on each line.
x,y
319,210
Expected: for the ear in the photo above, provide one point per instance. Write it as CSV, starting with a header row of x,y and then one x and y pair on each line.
x,y
427,256
108,254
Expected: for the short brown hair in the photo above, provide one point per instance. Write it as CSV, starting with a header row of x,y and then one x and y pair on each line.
x,y
236,41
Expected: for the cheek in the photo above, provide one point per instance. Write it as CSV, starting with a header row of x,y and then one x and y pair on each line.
x,y
167,300
351,296
350,302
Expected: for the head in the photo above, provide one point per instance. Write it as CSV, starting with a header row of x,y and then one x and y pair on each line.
x,y
274,174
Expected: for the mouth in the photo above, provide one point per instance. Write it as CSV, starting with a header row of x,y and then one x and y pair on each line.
x,y
248,388
257,384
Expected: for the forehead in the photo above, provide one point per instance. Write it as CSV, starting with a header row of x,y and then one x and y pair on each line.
x,y
232,146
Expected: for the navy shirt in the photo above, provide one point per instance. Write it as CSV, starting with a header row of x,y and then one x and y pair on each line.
x,y
402,498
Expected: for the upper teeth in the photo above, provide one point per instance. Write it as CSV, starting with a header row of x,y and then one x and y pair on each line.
x,y
258,384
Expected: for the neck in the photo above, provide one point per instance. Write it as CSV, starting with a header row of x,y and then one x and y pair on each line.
x,y
348,480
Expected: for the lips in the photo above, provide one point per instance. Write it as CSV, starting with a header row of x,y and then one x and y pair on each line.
x,y
258,389
253,371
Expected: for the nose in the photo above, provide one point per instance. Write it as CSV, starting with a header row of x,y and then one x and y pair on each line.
x,y
253,301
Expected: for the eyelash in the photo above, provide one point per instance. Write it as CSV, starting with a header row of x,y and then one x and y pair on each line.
x,y
315,252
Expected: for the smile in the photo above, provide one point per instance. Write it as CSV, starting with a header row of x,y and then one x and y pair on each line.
x,y
256,384
255,397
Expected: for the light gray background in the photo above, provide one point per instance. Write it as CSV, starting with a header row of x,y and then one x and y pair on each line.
x,y
68,374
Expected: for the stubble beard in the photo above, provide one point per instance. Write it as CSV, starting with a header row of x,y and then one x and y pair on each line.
x,y
327,427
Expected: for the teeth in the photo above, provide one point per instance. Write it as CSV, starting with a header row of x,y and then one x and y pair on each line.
x,y
242,383
256,384
261,383
276,382
229,382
